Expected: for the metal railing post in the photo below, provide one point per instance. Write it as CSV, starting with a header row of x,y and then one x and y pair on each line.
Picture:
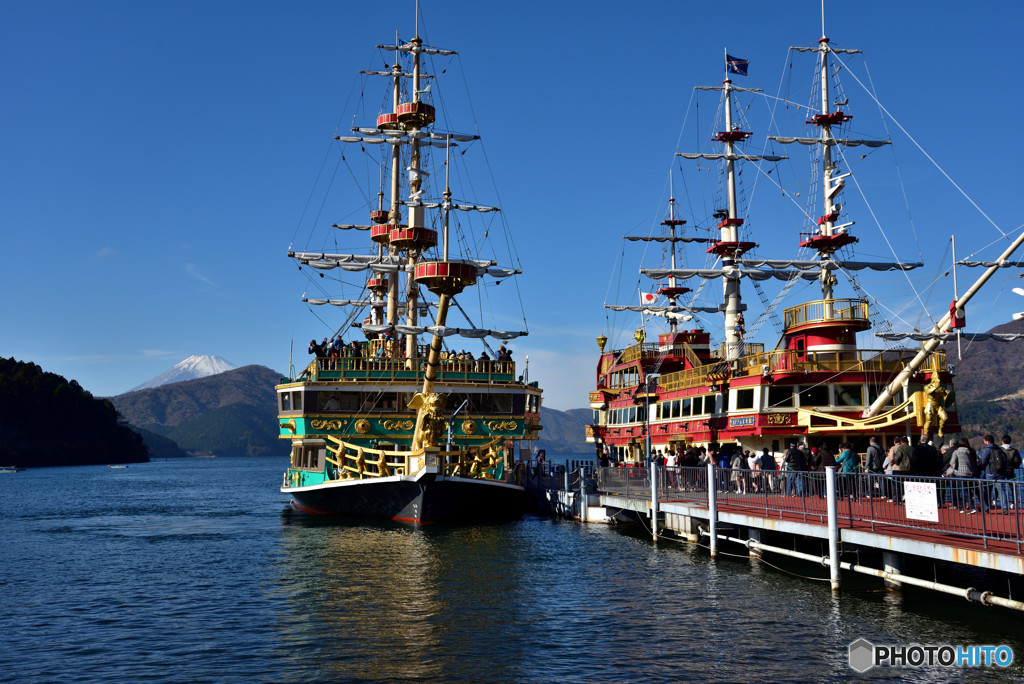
x,y
833,526
712,510
654,501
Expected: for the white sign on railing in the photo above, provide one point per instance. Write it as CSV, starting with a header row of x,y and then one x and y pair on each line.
x,y
921,501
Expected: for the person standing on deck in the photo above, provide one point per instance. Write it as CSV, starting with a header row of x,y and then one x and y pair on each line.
x,y
988,470
767,463
823,459
876,466
1014,470
902,465
795,463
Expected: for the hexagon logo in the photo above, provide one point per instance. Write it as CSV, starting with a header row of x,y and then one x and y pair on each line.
x,y
862,655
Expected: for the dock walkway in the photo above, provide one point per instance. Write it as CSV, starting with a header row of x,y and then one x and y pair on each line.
x,y
894,516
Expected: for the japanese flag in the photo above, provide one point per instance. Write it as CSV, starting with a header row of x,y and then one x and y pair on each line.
x,y
648,298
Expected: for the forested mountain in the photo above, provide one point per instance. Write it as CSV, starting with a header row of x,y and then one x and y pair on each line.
x,y
233,413
565,431
47,420
990,384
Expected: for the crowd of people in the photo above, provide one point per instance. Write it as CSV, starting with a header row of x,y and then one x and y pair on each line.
x,y
972,481
387,348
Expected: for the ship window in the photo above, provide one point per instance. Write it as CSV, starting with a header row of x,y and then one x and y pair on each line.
x,y
309,456
297,400
632,414
640,414
744,399
873,393
780,395
698,406
849,395
684,409
816,395
286,401
711,403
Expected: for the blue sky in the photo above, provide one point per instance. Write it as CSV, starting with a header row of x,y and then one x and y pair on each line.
x,y
157,158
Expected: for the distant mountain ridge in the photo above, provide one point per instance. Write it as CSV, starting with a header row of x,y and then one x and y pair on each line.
x,y
191,368
988,383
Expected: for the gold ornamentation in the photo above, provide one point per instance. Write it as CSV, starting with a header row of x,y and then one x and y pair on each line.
x,y
934,411
468,427
430,421
362,426
501,425
780,418
397,424
288,425
318,424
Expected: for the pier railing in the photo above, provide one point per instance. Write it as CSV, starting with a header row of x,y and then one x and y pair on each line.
x,y
962,506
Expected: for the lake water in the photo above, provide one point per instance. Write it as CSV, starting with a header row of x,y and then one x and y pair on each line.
x,y
197,570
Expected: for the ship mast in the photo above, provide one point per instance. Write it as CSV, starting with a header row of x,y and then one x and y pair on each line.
x,y
415,207
728,247
672,223
395,214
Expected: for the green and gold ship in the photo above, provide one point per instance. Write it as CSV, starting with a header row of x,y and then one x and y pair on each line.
x,y
386,425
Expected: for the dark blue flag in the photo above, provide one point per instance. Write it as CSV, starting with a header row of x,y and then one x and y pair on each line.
x,y
736,65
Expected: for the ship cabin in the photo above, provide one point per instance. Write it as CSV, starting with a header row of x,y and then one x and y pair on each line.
x,y
815,385
364,399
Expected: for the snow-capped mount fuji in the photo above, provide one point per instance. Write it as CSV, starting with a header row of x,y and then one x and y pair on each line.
x,y
191,368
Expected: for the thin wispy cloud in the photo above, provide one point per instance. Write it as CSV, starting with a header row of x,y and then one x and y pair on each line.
x,y
106,252
198,274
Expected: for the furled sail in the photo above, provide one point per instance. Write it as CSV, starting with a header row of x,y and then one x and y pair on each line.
x,y
412,48
392,140
1005,263
712,273
730,157
830,265
403,74
418,134
443,331
950,336
661,310
787,140
452,205
350,226
338,302
641,238
386,264
842,51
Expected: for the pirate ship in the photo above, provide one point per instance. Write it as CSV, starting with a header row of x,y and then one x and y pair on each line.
x,y
699,385
388,425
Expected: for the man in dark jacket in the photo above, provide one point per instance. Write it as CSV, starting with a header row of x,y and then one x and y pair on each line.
x,y
989,469
823,459
903,460
795,463
927,458
875,463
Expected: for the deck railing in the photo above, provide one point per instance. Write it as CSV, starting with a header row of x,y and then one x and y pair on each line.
x,y
377,368
825,310
874,500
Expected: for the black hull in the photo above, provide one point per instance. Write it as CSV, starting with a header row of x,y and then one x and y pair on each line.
x,y
428,499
